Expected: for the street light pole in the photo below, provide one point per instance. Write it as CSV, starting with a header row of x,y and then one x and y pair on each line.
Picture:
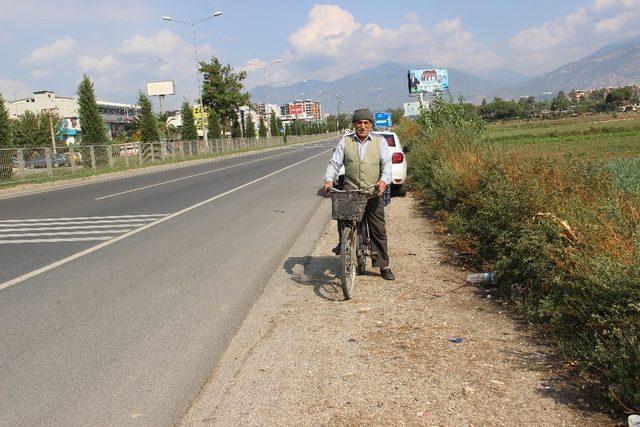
x,y
339,99
205,129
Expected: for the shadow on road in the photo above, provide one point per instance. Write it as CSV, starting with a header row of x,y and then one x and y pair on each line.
x,y
323,273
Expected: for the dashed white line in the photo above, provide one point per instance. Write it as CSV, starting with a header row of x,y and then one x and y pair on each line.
x,y
82,218
71,223
63,233
68,227
73,239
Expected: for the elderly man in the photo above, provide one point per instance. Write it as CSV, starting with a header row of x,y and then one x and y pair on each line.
x,y
367,161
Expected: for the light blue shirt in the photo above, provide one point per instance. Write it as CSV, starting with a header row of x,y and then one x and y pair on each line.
x,y
337,160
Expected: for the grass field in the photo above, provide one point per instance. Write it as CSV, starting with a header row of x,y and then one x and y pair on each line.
x,y
592,137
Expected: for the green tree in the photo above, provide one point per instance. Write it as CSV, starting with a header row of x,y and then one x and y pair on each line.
x,y
249,126
188,131
262,128
222,91
5,126
273,125
236,129
214,125
147,124
6,168
93,130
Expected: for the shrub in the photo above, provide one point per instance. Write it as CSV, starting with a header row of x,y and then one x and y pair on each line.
x,y
561,234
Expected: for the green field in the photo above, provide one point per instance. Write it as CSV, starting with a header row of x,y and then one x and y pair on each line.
x,y
592,137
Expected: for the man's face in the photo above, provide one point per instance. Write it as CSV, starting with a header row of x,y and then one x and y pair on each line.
x,y
363,127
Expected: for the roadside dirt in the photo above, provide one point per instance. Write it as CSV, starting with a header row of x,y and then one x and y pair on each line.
x,y
305,357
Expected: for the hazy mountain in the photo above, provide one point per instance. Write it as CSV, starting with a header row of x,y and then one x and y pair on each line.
x,y
377,88
385,85
504,77
617,64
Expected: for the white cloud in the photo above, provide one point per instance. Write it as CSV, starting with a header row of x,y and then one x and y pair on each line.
x,y
339,44
40,73
106,64
575,35
13,89
47,54
162,43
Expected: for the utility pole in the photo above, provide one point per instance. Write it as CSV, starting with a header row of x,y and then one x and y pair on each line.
x,y
48,112
339,99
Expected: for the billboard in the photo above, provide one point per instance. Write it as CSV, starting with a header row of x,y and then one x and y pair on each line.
x,y
295,109
431,80
160,88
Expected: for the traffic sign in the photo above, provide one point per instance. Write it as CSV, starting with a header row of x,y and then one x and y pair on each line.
x,y
382,120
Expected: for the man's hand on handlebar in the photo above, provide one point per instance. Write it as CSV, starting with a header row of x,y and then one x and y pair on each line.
x,y
381,186
327,188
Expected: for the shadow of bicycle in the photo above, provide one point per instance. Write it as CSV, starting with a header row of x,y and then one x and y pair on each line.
x,y
323,273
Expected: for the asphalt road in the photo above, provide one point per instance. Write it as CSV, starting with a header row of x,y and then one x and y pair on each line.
x,y
117,298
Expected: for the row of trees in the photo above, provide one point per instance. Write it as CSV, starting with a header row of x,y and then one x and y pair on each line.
x,y
574,102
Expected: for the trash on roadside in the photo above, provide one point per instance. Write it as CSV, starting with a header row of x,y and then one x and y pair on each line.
x,y
455,340
634,420
476,278
364,309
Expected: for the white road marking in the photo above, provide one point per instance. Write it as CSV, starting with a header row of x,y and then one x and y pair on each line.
x,y
68,227
74,239
92,249
194,175
81,218
64,233
78,223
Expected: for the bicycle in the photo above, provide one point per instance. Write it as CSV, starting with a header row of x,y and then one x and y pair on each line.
x,y
348,208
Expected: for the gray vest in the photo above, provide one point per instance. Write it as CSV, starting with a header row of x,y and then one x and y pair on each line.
x,y
366,172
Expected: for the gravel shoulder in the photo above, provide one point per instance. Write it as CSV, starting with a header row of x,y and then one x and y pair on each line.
x,y
305,357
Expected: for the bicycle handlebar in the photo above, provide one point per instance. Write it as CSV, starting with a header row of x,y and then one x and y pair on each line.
x,y
359,190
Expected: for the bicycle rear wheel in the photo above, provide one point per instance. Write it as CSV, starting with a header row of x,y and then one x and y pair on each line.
x,y
348,261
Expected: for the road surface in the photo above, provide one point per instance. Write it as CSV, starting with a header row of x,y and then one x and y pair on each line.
x,y
118,297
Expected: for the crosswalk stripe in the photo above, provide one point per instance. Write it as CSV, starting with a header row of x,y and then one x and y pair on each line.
x,y
74,239
64,233
82,217
69,227
83,222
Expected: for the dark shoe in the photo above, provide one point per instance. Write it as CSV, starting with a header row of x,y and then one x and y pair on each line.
x,y
336,250
387,274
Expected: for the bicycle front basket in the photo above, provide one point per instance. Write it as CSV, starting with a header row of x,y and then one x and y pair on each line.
x,y
348,206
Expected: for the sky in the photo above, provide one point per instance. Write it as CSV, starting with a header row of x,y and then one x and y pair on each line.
x,y
120,45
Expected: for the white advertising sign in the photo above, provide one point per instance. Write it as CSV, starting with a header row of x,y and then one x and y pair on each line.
x,y
160,88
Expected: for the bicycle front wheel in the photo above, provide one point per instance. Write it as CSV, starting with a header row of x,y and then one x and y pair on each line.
x,y
348,261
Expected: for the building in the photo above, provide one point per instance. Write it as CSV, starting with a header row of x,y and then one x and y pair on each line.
x,y
301,109
115,116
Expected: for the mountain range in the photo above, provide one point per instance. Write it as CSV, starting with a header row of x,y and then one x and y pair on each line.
x,y
385,86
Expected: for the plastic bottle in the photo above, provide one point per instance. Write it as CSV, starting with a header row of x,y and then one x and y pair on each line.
x,y
476,278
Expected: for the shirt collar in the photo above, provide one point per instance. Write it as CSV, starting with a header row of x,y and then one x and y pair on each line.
x,y
367,138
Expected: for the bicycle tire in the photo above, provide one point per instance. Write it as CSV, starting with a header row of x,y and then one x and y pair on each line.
x,y
348,261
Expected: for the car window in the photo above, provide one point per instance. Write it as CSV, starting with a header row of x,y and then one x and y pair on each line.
x,y
391,142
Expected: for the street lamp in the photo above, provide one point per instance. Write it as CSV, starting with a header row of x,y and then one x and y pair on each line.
x,y
339,99
205,130
266,87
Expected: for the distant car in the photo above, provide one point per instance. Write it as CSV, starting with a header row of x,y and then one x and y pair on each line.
x,y
57,160
398,163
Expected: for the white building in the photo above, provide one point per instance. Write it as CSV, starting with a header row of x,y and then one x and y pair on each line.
x,y
115,116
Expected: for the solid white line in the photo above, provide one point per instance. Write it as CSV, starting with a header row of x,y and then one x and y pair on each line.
x,y
81,218
69,227
90,250
75,239
64,233
70,223
192,176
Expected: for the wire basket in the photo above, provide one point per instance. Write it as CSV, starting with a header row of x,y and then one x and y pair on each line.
x,y
348,206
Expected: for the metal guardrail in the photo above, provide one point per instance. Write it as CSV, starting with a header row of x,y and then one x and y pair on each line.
x,y
39,164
